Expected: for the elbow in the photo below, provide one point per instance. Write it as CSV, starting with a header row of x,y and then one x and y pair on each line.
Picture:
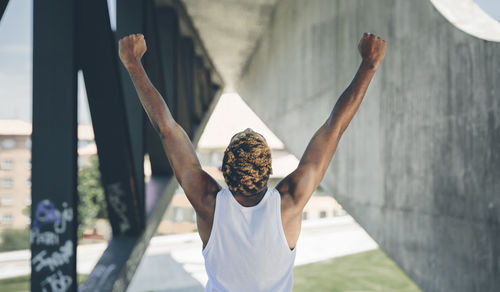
x,y
337,127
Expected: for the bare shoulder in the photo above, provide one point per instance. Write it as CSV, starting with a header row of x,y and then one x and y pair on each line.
x,y
201,190
286,189
291,211
205,207
208,195
295,189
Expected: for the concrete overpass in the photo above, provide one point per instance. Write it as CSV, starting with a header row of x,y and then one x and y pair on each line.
x,y
418,167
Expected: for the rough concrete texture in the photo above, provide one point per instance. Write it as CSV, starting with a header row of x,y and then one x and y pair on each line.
x,y
419,166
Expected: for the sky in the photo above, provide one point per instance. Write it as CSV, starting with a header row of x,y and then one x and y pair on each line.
x,y
16,63
492,7
16,57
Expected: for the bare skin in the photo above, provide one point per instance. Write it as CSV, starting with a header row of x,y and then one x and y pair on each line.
x,y
295,189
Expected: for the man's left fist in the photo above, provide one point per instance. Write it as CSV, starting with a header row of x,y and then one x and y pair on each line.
x,y
131,49
372,49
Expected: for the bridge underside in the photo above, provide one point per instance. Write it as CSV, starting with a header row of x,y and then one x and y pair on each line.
x,y
418,167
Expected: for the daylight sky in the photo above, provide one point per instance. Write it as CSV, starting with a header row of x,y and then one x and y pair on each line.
x,y
15,59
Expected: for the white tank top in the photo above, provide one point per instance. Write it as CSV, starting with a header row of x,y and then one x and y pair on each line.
x,y
247,249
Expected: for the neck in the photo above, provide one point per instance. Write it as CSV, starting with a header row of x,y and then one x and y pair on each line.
x,y
249,200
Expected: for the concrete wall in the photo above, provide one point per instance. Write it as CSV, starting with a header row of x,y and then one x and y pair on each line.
x,y
419,166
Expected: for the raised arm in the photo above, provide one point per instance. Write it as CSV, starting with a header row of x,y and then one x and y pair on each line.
x,y
197,184
301,183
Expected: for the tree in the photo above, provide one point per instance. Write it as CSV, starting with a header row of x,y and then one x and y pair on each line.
x,y
14,239
92,204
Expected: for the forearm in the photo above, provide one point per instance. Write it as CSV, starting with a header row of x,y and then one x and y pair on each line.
x,y
348,103
152,101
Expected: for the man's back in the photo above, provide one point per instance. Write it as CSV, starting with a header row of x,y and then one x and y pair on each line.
x,y
247,249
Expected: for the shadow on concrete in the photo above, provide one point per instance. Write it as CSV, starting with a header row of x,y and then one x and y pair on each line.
x,y
160,272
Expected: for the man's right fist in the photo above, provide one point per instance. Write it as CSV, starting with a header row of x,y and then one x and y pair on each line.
x,y
372,49
131,49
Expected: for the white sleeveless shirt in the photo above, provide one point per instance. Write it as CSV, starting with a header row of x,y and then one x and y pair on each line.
x,y
247,249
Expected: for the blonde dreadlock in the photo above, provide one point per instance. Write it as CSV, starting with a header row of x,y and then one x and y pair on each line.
x,y
246,165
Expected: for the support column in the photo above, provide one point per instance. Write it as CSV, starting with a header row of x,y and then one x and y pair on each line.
x,y
3,6
114,139
161,64
185,54
130,19
54,149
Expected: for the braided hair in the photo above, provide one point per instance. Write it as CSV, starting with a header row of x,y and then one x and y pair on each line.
x,y
246,165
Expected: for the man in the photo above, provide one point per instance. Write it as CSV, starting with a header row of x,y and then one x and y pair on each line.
x,y
249,232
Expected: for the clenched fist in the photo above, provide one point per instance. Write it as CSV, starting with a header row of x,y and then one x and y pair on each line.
x,y
131,49
372,49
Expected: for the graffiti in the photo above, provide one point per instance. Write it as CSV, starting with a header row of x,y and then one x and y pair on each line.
x,y
57,282
58,258
46,213
48,229
45,238
116,199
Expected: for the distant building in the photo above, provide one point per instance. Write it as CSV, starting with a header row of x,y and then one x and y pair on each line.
x,y
15,173
15,169
322,206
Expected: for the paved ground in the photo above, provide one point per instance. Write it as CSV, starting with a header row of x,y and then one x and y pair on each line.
x,y
174,263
